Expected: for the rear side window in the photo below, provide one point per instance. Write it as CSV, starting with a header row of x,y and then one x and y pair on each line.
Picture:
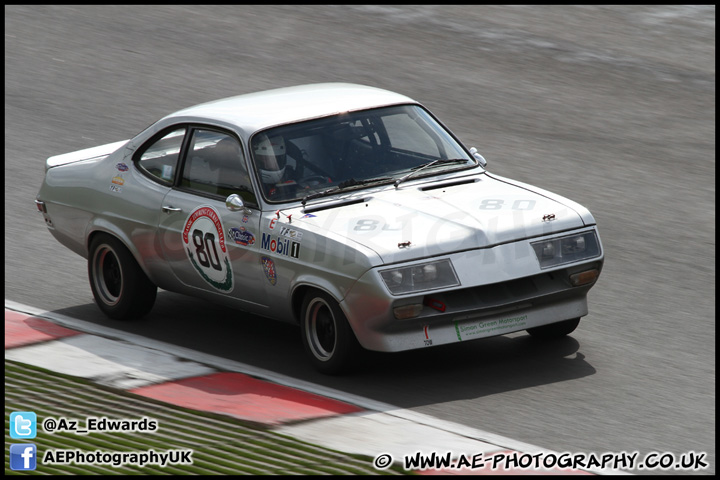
x,y
160,159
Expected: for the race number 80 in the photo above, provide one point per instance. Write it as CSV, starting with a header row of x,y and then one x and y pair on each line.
x,y
205,250
497,204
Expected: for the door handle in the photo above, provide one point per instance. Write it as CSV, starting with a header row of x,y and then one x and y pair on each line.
x,y
168,209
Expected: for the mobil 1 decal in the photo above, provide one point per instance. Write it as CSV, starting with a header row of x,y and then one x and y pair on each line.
x,y
280,245
204,243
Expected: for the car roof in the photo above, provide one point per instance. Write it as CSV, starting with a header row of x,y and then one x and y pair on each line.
x,y
256,111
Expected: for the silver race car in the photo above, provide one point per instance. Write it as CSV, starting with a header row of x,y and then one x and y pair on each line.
x,y
348,209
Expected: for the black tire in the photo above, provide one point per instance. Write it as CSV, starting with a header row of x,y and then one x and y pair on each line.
x,y
326,334
120,287
554,330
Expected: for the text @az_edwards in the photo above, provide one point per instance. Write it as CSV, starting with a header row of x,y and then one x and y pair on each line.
x,y
99,424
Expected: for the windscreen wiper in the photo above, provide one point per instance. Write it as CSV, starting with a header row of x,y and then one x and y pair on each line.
x,y
343,185
420,168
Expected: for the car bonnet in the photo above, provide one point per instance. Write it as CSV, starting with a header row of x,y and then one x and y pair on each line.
x,y
422,221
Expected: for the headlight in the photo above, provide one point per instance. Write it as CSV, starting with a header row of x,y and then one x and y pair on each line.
x,y
426,276
568,249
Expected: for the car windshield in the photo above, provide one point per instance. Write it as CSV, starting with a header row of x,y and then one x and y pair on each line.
x,y
353,150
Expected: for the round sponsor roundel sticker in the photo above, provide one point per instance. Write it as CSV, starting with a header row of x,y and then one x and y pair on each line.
x,y
205,247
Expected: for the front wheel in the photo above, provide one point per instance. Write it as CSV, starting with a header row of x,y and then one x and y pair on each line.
x,y
326,334
554,330
120,287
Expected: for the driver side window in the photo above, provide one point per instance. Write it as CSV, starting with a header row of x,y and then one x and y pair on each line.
x,y
215,165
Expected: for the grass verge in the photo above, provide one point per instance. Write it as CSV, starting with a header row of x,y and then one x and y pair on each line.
x,y
219,445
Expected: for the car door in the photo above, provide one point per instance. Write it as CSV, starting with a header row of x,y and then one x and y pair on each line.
x,y
208,246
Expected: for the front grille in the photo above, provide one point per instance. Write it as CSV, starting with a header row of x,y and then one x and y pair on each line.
x,y
504,296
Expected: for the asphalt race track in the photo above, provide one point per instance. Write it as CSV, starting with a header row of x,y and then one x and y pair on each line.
x,y
613,107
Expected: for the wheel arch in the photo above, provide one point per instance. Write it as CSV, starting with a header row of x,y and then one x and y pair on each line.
x,y
102,227
298,295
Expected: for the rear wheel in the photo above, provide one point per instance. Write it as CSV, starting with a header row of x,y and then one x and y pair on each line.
x,y
554,330
120,287
326,334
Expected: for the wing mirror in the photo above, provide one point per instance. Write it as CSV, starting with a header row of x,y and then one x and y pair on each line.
x,y
478,157
234,203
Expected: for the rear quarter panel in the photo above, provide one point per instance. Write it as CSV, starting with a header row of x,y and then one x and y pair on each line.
x,y
108,195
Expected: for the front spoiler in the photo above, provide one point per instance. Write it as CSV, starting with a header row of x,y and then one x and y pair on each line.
x,y
400,335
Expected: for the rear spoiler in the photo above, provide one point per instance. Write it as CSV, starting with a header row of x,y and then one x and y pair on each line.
x,y
85,154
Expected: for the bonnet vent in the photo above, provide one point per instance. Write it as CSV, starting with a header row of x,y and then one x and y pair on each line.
x,y
446,185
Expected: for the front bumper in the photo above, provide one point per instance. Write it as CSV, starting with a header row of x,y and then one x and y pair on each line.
x,y
503,290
